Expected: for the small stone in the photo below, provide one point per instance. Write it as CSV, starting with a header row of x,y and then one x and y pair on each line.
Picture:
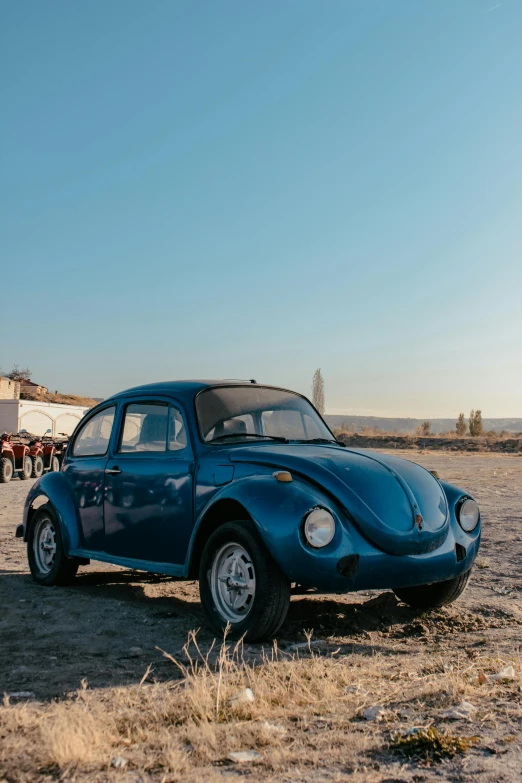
x,y
244,756
462,712
120,762
135,652
376,713
505,674
243,697
306,645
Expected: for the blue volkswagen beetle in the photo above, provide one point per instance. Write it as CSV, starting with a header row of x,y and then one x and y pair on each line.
x,y
244,487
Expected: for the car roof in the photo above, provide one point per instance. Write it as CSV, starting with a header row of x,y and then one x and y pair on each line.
x,y
187,388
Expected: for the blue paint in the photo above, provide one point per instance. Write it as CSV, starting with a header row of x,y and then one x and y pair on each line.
x,y
394,520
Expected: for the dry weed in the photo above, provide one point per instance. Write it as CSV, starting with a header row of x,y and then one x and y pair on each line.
x,y
76,734
307,714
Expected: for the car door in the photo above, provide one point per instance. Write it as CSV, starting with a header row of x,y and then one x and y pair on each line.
x,y
84,469
148,485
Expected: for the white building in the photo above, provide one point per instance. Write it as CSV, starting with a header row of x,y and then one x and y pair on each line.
x,y
38,417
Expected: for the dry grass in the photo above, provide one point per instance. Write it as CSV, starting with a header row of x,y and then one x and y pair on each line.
x,y
64,399
307,715
450,441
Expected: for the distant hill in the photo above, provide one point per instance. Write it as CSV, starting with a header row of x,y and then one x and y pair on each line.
x,y
64,399
403,426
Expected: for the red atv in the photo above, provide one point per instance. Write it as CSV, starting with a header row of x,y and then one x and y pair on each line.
x,y
15,458
44,455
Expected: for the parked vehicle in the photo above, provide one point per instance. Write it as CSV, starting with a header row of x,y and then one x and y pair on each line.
x,y
59,445
244,487
44,455
14,459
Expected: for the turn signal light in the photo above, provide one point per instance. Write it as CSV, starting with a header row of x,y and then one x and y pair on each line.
x,y
283,475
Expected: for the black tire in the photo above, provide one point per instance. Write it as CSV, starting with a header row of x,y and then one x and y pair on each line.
x,y
62,569
27,469
6,470
435,595
55,465
271,598
38,467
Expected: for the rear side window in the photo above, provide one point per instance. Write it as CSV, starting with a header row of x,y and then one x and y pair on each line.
x,y
93,438
145,427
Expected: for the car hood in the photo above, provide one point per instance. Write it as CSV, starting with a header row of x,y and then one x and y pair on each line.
x,y
396,504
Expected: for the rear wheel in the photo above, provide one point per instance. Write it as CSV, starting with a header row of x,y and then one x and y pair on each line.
x,y
38,467
6,470
433,596
45,553
241,584
55,465
27,469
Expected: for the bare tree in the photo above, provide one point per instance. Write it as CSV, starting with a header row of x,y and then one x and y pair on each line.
x,y
18,374
461,425
318,391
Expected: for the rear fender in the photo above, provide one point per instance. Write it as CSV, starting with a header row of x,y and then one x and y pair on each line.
x,y
54,488
277,510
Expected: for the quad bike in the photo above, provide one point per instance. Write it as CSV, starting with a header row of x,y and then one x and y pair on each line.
x,y
60,446
44,455
15,458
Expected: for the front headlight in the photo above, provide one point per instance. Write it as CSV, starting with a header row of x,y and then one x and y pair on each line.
x,y
319,527
468,515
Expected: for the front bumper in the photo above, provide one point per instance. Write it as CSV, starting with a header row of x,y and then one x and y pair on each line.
x,y
357,565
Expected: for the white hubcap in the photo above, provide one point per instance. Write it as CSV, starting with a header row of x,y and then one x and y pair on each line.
x,y
44,544
233,582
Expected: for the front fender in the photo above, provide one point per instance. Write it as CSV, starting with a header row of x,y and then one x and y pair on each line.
x,y
54,487
277,509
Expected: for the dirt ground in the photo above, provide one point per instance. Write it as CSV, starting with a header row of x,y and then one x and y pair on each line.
x,y
105,630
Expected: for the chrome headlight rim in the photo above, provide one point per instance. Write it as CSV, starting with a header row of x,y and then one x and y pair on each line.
x,y
317,535
468,514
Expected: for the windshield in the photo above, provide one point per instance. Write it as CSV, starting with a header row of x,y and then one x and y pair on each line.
x,y
246,412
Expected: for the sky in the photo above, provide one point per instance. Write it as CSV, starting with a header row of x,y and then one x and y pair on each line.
x,y
254,190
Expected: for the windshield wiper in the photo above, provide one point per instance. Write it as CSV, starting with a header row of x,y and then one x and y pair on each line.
x,y
322,440
248,435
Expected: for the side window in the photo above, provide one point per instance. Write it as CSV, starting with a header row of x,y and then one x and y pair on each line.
x,y
93,439
144,428
177,431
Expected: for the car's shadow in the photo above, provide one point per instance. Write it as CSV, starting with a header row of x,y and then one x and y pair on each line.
x,y
109,626
323,615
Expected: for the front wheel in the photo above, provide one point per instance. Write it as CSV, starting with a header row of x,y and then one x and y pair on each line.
x,y
45,553
38,467
27,469
6,470
55,465
241,585
435,595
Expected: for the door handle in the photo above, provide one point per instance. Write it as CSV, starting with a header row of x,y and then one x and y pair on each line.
x,y
113,471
